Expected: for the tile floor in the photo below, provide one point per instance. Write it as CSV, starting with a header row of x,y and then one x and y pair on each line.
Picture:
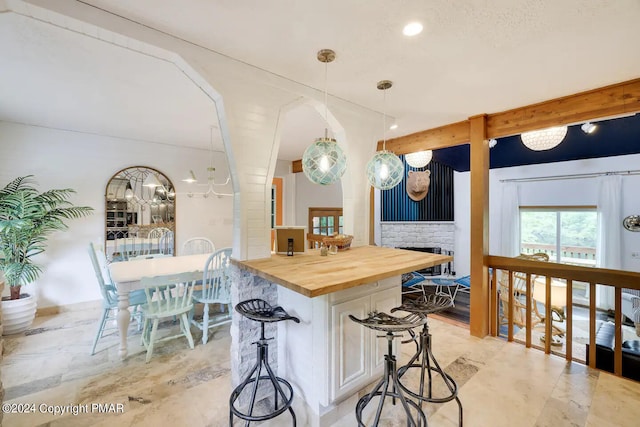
x,y
501,384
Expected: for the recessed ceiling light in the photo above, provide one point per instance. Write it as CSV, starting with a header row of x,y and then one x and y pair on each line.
x,y
412,29
393,126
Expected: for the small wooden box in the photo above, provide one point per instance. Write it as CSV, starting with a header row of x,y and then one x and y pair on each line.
x,y
299,236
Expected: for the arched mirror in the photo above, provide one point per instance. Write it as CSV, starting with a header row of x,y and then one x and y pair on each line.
x,y
140,214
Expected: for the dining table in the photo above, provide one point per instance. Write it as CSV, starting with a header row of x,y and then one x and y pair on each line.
x,y
127,275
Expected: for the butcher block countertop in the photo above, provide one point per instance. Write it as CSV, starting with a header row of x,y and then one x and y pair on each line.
x,y
312,275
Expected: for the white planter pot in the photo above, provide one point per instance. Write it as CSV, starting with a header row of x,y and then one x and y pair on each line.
x,y
18,314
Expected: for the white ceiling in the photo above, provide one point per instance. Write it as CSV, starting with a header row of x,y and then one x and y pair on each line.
x,y
474,56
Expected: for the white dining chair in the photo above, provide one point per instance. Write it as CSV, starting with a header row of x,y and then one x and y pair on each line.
x,y
198,245
166,243
158,232
215,290
154,240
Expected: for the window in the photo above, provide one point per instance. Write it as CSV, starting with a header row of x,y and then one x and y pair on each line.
x,y
323,222
567,234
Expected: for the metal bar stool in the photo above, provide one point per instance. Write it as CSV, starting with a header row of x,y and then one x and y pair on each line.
x,y
428,363
260,311
390,324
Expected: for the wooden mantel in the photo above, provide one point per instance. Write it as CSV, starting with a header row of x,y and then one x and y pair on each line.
x,y
312,275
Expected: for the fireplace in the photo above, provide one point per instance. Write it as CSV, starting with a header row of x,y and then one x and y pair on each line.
x,y
436,270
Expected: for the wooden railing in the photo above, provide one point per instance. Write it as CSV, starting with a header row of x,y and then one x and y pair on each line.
x,y
617,279
566,252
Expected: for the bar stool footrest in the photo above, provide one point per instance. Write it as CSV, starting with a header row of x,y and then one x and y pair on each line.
x,y
247,417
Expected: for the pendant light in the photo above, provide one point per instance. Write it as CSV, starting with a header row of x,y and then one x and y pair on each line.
x,y
385,170
545,139
419,159
324,162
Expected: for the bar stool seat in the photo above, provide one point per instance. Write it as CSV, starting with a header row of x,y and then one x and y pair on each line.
x,y
260,311
427,364
390,324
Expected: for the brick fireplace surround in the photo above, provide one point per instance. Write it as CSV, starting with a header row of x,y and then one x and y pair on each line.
x,y
418,234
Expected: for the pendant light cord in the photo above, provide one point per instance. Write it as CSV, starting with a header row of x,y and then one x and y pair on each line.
x,y
326,108
384,120
212,150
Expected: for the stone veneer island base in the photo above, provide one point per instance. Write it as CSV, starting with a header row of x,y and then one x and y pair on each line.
x,y
326,357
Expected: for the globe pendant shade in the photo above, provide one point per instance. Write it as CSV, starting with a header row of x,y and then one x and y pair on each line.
x,y
385,170
324,162
545,139
419,159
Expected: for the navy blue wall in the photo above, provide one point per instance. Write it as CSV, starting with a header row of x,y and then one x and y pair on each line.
x,y
436,206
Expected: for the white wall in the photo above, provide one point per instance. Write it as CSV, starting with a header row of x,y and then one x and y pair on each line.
x,y
300,194
283,168
313,195
564,192
84,162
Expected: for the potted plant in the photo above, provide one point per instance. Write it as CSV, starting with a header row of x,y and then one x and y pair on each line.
x,y
27,218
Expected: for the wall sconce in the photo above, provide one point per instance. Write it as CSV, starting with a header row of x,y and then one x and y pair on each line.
x,y
632,223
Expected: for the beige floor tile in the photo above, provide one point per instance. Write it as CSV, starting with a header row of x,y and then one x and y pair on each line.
x,y
500,383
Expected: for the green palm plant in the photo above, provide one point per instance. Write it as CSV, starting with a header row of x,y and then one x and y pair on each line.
x,y
27,218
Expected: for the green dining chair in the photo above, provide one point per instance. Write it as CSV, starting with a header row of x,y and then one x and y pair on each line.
x,y
167,296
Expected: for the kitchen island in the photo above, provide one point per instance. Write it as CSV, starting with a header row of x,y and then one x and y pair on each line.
x,y
327,357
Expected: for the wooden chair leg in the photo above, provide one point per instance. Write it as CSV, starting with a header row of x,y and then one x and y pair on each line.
x,y
137,314
186,329
191,314
144,340
205,324
103,320
152,339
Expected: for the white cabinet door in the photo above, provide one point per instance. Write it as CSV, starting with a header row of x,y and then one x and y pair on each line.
x,y
350,364
383,301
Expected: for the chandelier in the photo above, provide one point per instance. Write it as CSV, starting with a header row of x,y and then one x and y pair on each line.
x,y
324,162
385,170
545,139
208,189
419,159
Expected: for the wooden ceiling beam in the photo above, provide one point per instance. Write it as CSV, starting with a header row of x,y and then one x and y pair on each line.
x,y
609,101
432,139
619,99
296,166
615,100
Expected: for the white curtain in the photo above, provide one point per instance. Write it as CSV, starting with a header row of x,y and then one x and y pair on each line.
x,y
510,220
608,249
